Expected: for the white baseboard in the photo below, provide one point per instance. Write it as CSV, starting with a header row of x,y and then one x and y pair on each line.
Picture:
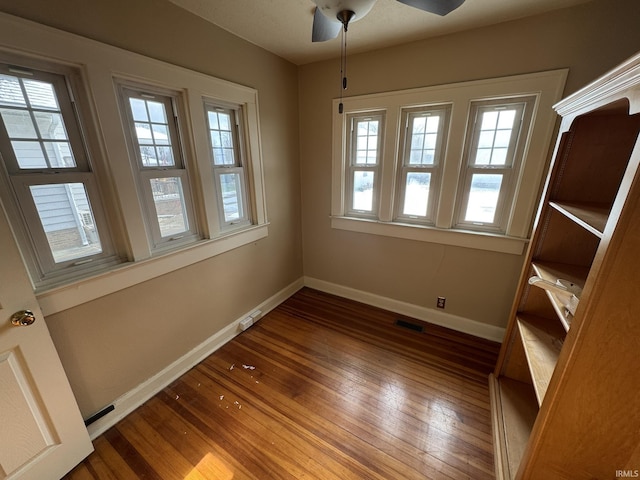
x,y
131,400
454,322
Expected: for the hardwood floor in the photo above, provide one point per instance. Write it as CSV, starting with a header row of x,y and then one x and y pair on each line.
x,y
320,388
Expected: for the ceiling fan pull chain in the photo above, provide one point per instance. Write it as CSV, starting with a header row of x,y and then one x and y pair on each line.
x,y
343,77
345,17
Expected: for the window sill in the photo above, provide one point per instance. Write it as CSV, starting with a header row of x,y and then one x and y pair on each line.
x,y
459,238
127,275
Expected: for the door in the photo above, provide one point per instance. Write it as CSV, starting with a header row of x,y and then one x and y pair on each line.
x,y
42,434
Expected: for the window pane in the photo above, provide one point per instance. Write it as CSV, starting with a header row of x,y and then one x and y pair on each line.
x,y
138,110
160,134
29,154
66,217
170,205
50,125
11,92
433,123
143,133
213,120
416,193
18,123
157,112
225,121
41,94
489,120
231,190
483,198
419,124
165,156
502,138
363,190
505,121
59,154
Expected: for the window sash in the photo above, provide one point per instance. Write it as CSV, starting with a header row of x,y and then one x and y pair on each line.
x,y
232,201
430,139
227,155
364,160
152,121
59,218
42,258
64,108
491,155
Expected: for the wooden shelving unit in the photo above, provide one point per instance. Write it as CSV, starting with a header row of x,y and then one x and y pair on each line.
x,y
565,392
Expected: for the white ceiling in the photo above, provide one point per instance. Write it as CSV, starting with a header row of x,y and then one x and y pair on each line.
x,y
284,26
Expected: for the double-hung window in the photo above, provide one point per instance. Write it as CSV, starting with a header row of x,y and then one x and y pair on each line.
x,y
364,145
55,192
152,120
492,162
227,155
421,158
127,159
457,164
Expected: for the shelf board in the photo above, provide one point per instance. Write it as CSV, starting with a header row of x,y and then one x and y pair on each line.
x,y
514,410
542,339
552,272
592,217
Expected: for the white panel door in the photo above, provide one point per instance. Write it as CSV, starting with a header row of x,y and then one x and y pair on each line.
x,y
42,434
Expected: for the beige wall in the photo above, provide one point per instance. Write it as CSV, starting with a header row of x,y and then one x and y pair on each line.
x,y
111,345
479,285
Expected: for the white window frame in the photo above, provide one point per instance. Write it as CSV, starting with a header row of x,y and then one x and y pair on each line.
x,y
99,65
172,102
434,169
17,182
545,87
237,167
354,166
524,107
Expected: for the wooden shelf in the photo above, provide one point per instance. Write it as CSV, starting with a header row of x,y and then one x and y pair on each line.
x,y
578,388
551,272
514,410
542,339
592,217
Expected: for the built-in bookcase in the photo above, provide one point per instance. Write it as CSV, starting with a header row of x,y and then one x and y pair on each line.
x,y
565,393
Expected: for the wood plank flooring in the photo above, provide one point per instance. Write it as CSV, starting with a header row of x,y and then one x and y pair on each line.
x,y
320,388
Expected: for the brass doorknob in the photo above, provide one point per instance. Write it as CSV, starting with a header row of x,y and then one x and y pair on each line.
x,y
23,318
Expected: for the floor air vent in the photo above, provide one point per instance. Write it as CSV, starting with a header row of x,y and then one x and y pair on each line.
x,y
411,326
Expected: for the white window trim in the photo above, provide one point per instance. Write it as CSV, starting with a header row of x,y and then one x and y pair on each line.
x,y
174,111
352,166
100,64
404,168
509,171
240,167
547,87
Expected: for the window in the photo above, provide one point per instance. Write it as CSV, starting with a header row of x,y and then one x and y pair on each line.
x,y
55,193
421,163
492,162
152,122
364,164
106,184
228,163
457,164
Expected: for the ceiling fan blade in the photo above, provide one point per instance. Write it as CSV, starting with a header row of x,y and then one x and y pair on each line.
x,y
439,7
324,28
